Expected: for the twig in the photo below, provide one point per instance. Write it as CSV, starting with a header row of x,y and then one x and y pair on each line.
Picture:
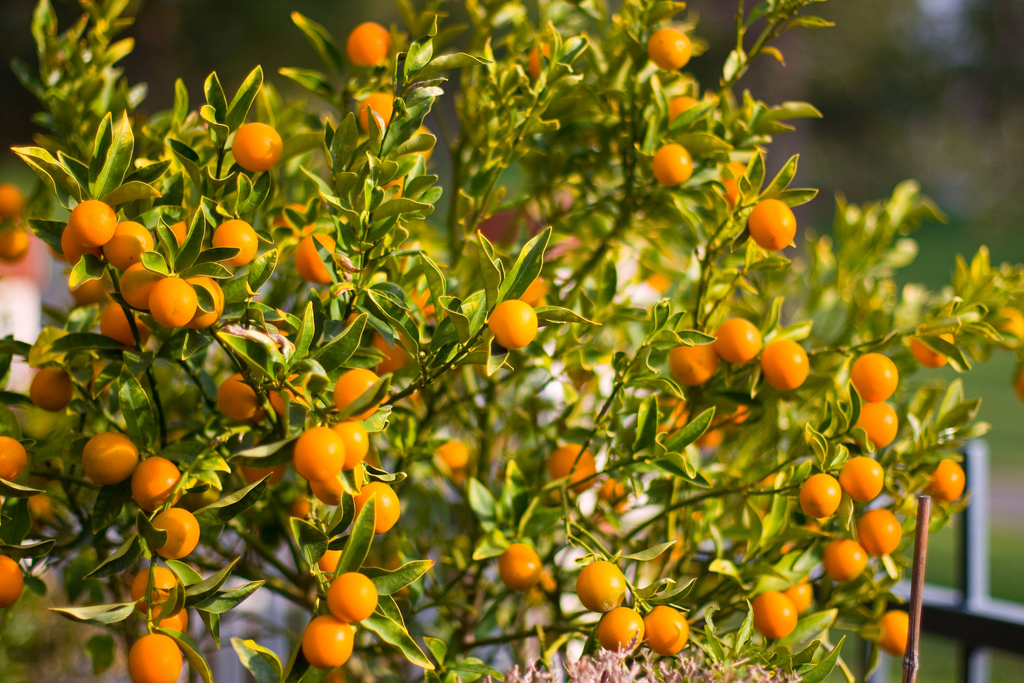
x,y
911,661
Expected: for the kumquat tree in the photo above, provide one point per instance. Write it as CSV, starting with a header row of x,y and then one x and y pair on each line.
x,y
591,403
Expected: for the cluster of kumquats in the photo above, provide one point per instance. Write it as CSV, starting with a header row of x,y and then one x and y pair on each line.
x,y
14,235
279,356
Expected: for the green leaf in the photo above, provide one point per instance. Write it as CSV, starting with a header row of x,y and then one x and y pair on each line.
x,y
457,60
810,627
336,353
212,623
494,543
419,55
714,645
193,243
122,558
436,282
227,508
57,176
753,177
691,432
216,254
312,542
808,21
155,262
515,492
261,456
437,647
646,423
489,269
472,665
398,206
526,269
782,180
136,408
314,82
421,142
824,668
261,269
88,268
243,99
108,505
155,538
305,335
649,591
215,98
246,206
701,144
188,576
727,568
11,490
131,191
370,398
746,630
114,160
650,553
259,354
147,171
225,600
97,614
321,41
214,270
29,550
547,315
481,501
672,594
44,25
390,582
395,634
358,544
200,592
262,663
663,10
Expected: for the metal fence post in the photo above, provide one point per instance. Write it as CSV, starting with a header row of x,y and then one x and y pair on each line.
x,y
974,551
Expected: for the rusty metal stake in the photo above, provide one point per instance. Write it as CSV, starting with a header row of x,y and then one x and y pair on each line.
x,y
911,661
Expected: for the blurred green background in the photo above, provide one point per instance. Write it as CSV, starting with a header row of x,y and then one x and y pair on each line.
x,y
925,89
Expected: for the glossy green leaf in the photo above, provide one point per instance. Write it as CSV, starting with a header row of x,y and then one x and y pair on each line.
x,y
395,634
111,162
691,432
358,544
227,599
198,593
120,560
526,268
155,538
823,669
390,582
97,614
312,542
336,352
262,663
649,553
230,506
136,408
243,99
481,501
